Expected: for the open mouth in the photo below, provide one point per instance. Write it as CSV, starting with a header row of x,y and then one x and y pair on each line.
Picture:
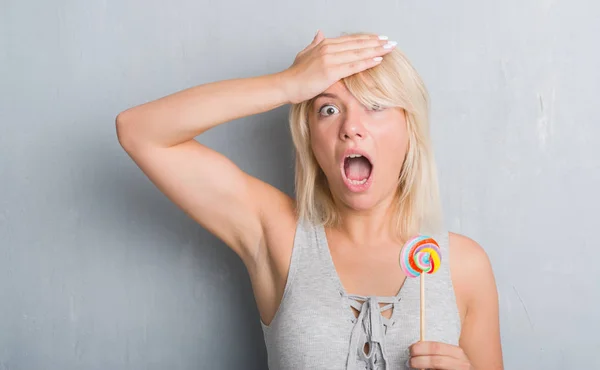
x,y
357,170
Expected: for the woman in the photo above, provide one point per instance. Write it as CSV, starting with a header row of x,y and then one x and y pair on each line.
x,y
324,267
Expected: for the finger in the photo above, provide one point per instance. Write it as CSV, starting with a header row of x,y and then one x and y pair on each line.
x,y
426,348
318,37
354,55
351,68
315,41
328,48
438,362
346,38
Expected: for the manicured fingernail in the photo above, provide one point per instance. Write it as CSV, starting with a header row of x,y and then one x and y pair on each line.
x,y
378,59
390,45
383,37
407,364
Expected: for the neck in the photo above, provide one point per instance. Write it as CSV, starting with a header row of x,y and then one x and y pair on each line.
x,y
370,227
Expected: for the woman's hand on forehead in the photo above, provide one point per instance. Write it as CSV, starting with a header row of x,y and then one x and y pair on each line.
x,y
325,61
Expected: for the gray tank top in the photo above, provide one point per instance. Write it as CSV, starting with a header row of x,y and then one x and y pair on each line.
x,y
315,328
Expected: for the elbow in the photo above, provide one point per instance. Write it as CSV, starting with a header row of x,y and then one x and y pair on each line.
x,y
124,130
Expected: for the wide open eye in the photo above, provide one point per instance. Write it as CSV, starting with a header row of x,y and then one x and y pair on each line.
x,y
328,110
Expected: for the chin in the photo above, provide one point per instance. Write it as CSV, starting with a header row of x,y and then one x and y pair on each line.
x,y
361,206
359,201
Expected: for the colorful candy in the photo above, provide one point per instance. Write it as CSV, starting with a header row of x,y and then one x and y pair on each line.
x,y
420,254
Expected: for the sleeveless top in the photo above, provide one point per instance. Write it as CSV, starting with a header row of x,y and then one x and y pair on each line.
x,y
315,328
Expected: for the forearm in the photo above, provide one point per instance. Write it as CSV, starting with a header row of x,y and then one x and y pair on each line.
x,y
181,116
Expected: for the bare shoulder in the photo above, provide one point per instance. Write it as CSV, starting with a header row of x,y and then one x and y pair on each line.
x,y
470,269
477,301
467,258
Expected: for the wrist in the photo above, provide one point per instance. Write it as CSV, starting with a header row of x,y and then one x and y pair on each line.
x,y
282,86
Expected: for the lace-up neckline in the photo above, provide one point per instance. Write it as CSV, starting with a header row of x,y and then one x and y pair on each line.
x,y
367,347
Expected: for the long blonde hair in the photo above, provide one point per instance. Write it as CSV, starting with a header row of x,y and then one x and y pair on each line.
x,y
393,83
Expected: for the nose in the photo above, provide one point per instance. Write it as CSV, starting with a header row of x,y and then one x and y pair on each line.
x,y
353,127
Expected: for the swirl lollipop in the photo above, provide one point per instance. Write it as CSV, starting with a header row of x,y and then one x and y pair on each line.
x,y
419,256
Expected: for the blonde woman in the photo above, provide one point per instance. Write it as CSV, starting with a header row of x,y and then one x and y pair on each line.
x,y
324,266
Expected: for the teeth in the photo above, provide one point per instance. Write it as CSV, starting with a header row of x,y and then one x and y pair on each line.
x,y
357,182
354,156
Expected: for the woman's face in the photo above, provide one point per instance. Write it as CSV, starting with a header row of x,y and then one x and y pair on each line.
x,y
360,149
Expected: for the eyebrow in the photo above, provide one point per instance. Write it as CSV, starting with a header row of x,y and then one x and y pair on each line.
x,y
326,95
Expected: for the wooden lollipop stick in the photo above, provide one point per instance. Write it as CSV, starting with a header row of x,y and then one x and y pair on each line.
x,y
422,307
